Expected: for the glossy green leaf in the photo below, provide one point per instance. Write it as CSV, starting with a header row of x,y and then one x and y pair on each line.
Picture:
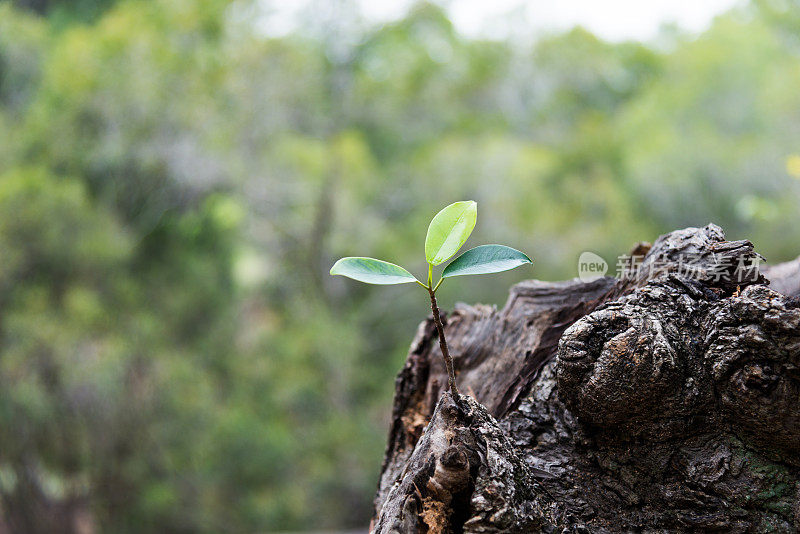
x,y
486,259
449,229
372,271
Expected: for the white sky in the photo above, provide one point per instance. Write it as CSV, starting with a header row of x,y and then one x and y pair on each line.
x,y
614,20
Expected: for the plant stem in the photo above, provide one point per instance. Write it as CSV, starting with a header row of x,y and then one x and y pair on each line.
x,y
448,361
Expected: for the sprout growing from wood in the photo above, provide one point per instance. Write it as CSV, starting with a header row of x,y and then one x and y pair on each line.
x,y
448,231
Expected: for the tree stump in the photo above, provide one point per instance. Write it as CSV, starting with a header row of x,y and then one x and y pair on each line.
x,y
664,400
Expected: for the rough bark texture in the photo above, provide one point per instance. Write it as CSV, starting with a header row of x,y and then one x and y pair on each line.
x,y
666,400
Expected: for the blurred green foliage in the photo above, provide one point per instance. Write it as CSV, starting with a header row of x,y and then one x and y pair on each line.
x,y
174,186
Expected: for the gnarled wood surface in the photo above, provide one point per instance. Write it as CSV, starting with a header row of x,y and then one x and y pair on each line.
x,y
668,400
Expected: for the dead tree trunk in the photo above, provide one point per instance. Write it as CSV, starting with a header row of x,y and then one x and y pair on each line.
x,y
666,400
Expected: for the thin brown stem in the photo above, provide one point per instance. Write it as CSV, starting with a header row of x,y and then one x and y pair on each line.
x,y
448,361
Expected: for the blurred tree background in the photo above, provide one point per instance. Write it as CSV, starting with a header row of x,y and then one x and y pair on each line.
x,y
174,185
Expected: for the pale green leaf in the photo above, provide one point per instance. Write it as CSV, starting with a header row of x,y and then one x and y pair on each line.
x,y
372,271
449,229
486,259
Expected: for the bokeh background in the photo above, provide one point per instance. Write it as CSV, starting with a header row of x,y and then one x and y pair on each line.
x,y
177,177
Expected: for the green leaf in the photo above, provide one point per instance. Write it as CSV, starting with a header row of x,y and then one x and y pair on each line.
x,y
486,259
449,229
372,271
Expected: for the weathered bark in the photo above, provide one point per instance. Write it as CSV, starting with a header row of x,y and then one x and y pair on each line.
x,y
785,277
667,400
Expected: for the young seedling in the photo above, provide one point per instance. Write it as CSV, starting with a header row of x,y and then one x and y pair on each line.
x,y
448,231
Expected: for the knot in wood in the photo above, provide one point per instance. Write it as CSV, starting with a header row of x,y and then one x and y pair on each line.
x,y
451,474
